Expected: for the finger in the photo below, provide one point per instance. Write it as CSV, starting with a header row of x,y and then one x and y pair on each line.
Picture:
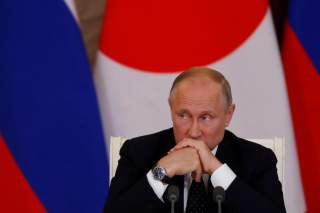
x,y
198,145
184,144
171,151
198,174
193,175
174,149
177,147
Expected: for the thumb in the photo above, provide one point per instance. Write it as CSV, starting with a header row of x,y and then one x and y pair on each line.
x,y
198,174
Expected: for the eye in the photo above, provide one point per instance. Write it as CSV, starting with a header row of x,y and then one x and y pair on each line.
x,y
183,115
206,117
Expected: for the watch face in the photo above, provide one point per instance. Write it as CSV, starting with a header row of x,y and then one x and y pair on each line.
x,y
158,173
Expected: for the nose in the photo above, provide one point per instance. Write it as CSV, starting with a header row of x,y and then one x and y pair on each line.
x,y
194,131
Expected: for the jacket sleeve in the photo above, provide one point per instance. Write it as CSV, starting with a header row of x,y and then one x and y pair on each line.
x,y
261,193
129,189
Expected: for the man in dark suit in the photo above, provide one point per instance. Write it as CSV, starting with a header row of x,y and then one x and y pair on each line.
x,y
197,154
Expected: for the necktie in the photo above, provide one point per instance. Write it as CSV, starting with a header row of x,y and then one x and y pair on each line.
x,y
197,199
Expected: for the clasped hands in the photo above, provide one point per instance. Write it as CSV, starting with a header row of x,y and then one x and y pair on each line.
x,y
190,156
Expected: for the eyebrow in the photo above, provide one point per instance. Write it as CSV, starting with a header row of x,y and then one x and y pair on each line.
x,y
210,112
182,111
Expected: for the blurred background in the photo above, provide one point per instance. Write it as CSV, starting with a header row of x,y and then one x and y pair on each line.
x,y
75,72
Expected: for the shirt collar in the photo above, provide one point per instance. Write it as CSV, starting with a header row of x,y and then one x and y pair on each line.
x,y
214,151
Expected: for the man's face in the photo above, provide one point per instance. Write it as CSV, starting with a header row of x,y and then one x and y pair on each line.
x,y
198,111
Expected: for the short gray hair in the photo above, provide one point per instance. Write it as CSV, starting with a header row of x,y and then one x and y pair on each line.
x,y
209,73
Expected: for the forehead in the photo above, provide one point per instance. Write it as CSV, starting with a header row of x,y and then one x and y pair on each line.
x,y
198,91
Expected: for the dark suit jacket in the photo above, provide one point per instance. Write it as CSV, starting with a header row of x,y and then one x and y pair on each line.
x,y
256,188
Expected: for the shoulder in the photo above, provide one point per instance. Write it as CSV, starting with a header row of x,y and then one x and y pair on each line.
x,y
148,147
251,153
149,140
246,146
247,159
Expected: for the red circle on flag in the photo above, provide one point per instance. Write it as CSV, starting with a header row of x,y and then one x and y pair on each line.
x,y
172,35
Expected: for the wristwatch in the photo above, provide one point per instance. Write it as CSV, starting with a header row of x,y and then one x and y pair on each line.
x,y
159,173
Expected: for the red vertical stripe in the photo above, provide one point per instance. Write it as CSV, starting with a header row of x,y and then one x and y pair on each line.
x,y
303,84
16,194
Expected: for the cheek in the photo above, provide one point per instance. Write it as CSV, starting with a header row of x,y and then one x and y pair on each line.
x,y
214,129
181,123
213,135
180,130
180,127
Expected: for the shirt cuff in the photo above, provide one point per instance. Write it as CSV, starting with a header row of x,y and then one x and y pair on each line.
x,y
158,187
223,176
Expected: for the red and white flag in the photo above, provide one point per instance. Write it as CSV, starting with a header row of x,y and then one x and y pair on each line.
x,y
145,44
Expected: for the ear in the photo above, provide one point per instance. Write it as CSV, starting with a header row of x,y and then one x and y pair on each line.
x,y
229,114
169,101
